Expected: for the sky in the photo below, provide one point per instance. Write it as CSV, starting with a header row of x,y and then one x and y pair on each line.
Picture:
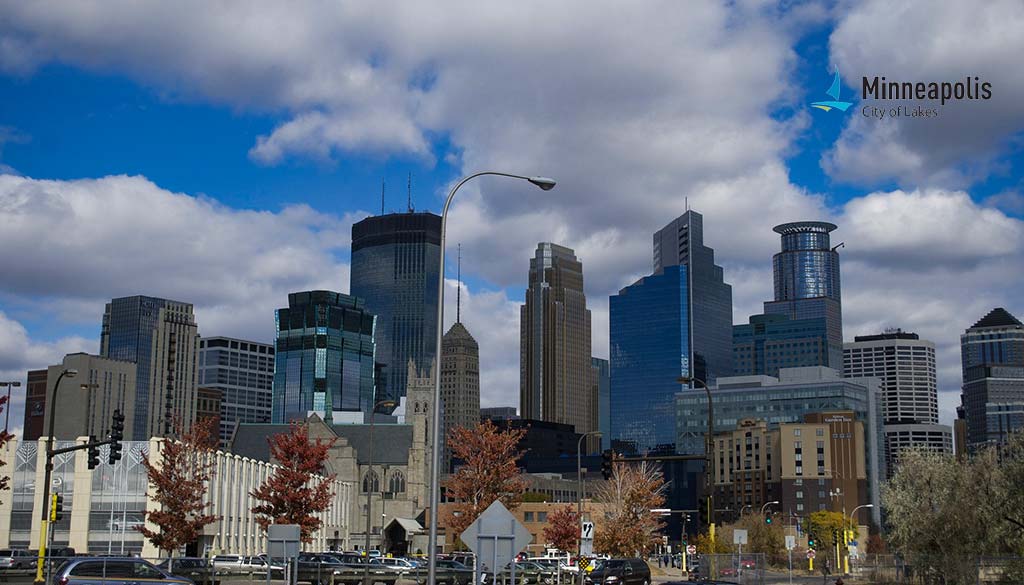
x,y
218,154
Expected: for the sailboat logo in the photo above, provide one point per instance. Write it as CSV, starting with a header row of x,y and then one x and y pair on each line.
x,y
833,91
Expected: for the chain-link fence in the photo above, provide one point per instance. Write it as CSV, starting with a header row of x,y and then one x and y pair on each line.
x,y
745,569
892,569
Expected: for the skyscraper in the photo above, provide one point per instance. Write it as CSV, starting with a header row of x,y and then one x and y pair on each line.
x,y
460,380
244,373
674,323
395,270
161,338
806,274
770,342
110,386
324,356
601,372
992,397
910,404
554,342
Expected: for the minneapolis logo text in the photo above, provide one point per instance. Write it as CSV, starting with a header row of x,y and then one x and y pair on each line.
x,y
833,92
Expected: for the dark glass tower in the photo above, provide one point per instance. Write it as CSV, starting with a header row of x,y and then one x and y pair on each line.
x,y
806,275
676,322
992,353
770,342
395,269
323,356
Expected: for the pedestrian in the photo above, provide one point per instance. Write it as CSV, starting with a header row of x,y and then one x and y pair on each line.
x,y
659,561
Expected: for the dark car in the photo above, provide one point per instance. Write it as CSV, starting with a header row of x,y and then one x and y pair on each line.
x,y
620,572
200,571
113,571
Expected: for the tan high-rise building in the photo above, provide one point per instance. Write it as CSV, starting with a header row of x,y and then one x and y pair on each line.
x,y
86,402
460,381
555,379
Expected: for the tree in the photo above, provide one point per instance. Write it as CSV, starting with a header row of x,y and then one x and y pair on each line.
x,y
706,546
181,476
821,525
769,539
292,494
628,527
5,438
563,529
489,472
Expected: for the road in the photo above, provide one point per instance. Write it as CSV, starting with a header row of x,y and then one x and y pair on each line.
x,y
770,578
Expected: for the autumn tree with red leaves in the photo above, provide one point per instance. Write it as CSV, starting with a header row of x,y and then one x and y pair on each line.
x,y
292,495
5,437
563,529
181,476
628,528
489,472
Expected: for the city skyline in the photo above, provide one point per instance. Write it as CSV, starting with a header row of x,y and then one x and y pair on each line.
x,y
168,180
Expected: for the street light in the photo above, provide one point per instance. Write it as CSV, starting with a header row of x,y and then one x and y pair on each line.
x,y
7,405
52,407
766,504
545,184
369,489
579,489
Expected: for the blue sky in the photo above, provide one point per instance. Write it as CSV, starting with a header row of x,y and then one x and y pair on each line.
x,y
222,160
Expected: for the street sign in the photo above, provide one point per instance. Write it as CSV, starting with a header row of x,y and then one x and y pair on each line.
x,y
587,531
584,562
283,541
739,537
691,550
586,547
790,542
496,537
810,554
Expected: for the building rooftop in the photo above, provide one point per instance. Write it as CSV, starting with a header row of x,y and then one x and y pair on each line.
x,y
804,226
391,442
998,317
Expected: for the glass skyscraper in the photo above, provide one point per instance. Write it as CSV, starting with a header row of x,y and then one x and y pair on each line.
x,y
324,356
395,270
992,355
244,372
676,322
770,342
806,274
161,338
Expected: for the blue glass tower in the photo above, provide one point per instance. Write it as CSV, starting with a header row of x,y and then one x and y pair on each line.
x,y
770,342
395,269
992,397
324,356
806,274
676,322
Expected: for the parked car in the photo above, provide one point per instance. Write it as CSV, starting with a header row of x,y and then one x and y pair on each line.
x,y
112,571
458,573
17,559
200,571
393,562
620,572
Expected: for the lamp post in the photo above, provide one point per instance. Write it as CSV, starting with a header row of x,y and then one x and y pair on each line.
x,y
52,407
7,405
579,490
766,504
368,482
435,475
709,473
853,514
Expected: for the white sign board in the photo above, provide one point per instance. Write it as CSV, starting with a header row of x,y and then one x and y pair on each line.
x,y
790,542
586,548
587,531
283,541
691,549
810,554
739,537
496,537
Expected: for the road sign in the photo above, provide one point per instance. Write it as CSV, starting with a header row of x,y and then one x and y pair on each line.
x,y
810,554
587,531
496,537
283,541
790,542
584,563
739,537
691,550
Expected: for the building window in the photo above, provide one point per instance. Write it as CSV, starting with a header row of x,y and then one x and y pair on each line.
x,y
542,516
820,432
371,483
527,516
799,507
396,484
799,495
796,432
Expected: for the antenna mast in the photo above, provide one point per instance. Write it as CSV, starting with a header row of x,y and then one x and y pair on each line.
x,y
409,192
382,195
458,292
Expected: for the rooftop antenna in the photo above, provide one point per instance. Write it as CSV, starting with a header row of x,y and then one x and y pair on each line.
x,y
458,292
409,192
687,204
382,195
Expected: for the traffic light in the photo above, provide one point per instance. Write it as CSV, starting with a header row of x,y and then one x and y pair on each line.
x,y
116,435
703,512
607,458
94,453
57,507
810,541
835,537
768,519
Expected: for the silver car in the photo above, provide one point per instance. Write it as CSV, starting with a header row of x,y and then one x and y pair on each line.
x,y
107,571
17,559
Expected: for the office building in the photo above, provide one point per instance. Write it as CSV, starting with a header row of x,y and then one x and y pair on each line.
x,y
807,283
209,402
789,398
992,397
35,405
460,381
808,466
674,323
324,357
496,413
602,379
161,338
395,270
244,373
910,402
773,341
554,367
86,403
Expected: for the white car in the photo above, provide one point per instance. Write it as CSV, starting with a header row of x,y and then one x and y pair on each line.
x,y
394,563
